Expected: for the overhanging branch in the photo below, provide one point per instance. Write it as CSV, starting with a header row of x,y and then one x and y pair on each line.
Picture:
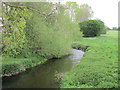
x,y
43,14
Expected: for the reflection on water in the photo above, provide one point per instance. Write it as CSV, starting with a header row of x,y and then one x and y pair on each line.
x,y
47,75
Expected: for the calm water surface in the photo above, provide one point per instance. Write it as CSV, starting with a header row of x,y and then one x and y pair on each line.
x,y
47,75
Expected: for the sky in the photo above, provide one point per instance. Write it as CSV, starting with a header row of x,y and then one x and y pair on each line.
x,y
105,10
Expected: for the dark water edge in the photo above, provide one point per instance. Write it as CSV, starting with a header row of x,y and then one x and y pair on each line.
x,y
47,75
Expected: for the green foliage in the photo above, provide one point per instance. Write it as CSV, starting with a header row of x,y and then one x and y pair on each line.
x,y
38,30
73,10
103,27
86,12
91,28
51,36
12,66
13,34
79,13
93,75
80,46
99,65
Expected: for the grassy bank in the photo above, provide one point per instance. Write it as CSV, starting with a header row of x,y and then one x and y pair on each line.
x,y
99,66
12,66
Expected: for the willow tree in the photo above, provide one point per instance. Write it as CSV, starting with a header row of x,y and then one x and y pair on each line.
x,y
52,34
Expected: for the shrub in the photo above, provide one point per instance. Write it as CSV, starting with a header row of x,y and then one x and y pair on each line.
x,y
102,27
91,28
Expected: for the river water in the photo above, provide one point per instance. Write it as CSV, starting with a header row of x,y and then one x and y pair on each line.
x,y
47,75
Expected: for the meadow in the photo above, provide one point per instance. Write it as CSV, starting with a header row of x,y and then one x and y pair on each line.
x,y
99,65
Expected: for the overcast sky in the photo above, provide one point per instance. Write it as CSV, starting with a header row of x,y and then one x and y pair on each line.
x,y
106,10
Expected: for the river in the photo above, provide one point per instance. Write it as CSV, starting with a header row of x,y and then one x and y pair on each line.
x,y
47,75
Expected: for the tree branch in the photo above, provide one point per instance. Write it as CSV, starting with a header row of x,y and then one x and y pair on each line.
x,y
43,14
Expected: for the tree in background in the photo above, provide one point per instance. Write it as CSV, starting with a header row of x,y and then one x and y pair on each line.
x,y
86,12
114,28
79,13
91,28
118,28
73,9
103,27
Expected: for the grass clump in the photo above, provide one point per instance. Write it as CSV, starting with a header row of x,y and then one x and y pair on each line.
x,y
79,46
98,67
11,66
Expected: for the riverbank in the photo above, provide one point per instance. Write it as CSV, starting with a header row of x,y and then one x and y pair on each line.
x,y
99,66
12,66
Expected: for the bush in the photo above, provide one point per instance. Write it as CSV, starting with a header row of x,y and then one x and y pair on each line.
x,y
103,27
91,28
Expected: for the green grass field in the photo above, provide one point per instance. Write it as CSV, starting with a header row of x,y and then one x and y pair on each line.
x,y
99,66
